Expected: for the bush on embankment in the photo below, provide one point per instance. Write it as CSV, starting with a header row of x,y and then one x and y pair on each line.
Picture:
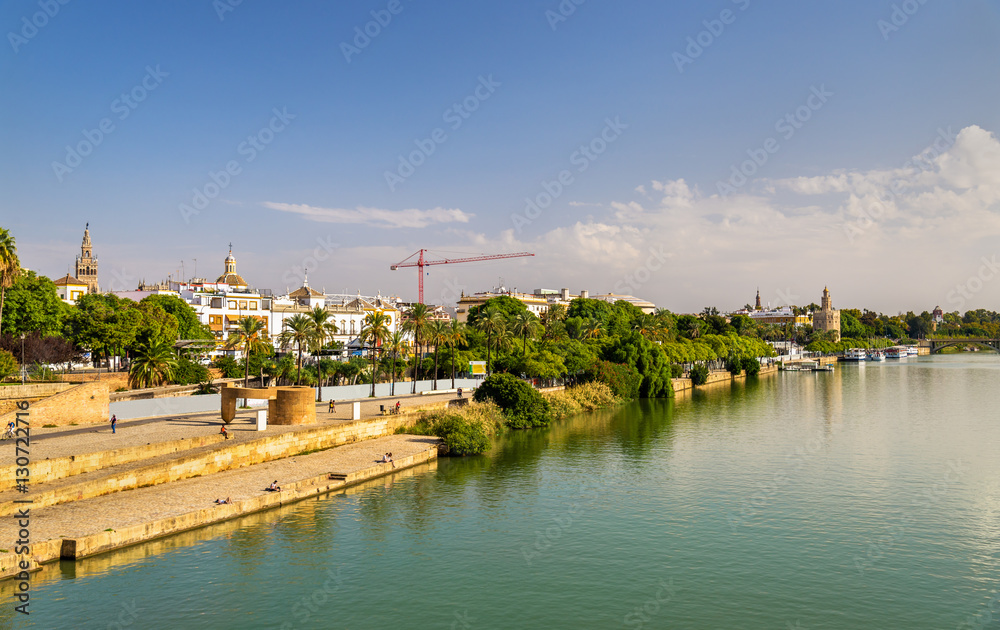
x,y
624,380
466,431
586,397
699,374
522,405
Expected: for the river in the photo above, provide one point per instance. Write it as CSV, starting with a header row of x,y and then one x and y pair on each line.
x,y
864,498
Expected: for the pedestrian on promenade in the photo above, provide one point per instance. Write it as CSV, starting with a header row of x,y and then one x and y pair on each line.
x,y
397,406
114,421
333,406
223,432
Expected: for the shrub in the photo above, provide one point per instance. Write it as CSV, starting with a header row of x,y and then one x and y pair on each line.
x,y
751,366
699,374
188,372
523,406
466,432
624,380
228,367
586,397
677,370
8,364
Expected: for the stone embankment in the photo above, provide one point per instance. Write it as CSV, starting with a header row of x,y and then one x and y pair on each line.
x,y
86,500
718,377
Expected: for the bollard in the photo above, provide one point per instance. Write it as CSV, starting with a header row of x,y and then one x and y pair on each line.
x,y
261,419
355,411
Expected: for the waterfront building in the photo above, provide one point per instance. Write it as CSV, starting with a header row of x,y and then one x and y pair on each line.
x,y
220,304
347,312
70,289
826,318
537,304
86,265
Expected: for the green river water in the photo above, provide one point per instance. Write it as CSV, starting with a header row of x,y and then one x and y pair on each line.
x,y
865,498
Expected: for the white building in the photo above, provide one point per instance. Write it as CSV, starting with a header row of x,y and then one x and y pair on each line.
x,y
69,289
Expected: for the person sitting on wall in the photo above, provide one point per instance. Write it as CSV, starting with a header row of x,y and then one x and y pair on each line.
x,y
274,487
223,432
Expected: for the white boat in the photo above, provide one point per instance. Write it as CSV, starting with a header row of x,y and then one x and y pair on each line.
x,y
824,368
911,351
856,355
808,366
896,352
876,355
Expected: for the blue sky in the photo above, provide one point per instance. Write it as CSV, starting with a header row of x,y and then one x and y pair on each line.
x,y
647,215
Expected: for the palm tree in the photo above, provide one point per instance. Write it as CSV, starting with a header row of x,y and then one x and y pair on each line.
x,y
456,335
525,325
152,364
375,330
648,326
297,331
398,346
322,329
592,329
438,333
492,323
10,266
416,324
247,337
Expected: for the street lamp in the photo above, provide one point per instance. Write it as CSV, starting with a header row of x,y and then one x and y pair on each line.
x,y
22,358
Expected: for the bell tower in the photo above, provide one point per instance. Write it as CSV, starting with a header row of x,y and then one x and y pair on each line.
x,y
86,264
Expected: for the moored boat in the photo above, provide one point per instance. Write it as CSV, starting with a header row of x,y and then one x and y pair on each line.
x,y
896,352
855,355
876,355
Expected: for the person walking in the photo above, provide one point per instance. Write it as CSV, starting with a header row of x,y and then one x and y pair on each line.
x,y
333,407
114,422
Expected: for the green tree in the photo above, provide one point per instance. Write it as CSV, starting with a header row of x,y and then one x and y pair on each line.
x,y
152,365
32,305
650,361
188,326
8,364
523,407
297,331
375,331
248,338
437,335
492,323
323,329
417,318
10,267
504,303
456,335
525,325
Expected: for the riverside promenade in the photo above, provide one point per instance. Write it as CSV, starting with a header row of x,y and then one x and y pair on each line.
x,y
93,491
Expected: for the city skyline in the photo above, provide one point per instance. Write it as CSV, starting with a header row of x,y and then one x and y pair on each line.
x,y
684,155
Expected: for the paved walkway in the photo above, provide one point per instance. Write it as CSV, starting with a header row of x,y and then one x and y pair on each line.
x,y
142,505
65,441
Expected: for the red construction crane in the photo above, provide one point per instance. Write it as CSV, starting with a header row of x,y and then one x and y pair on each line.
x,y
422,262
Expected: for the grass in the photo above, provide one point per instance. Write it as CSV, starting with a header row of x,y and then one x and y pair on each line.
x,y
48,426
580,398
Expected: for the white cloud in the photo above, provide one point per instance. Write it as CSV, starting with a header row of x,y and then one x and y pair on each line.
x,y
411,218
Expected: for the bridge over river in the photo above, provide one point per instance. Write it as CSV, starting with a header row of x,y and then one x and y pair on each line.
x,y
936,345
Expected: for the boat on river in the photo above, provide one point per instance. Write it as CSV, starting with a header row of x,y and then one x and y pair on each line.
x,y
876,355
896,352
855,355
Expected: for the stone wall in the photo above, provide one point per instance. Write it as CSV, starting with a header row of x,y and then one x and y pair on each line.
x,y
32,390
84,404
716,378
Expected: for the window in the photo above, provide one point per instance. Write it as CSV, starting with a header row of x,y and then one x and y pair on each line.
x,y
253,305
216,302
232,305
243,305
352,326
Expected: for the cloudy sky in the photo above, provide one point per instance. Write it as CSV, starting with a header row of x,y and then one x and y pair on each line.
x,y
684,152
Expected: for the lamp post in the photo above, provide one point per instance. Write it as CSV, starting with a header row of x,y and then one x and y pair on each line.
x,y
22,359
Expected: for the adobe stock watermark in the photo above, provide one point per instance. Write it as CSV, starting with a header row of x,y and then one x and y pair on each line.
x,y
322,252
876,549
455,116
545,539
562,12
306,606
703,39
363,35
983,618
923,161
582,158
38,21
644,613
123,106
786,126
126,617
900,15
222,7
122,280
249,149
462,621
632,282
968,289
